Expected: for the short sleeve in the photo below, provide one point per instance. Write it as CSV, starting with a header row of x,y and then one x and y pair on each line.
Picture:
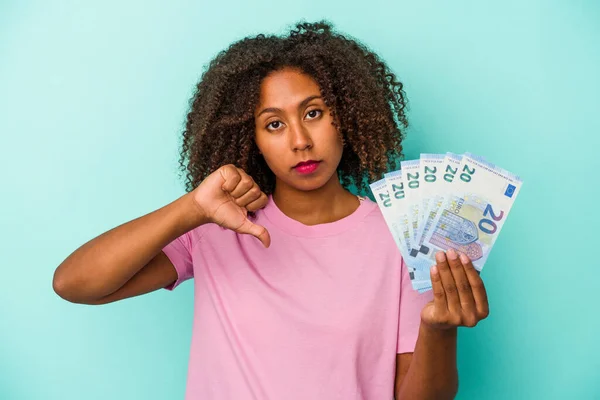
x,y
409,321
179,251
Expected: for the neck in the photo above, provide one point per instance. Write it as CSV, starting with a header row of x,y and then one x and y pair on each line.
x,y
328,203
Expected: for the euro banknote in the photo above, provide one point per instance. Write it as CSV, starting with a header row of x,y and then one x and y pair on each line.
x,y
439,186
399,228
410,177
400,207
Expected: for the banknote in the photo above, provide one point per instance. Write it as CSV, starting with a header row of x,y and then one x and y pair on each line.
x,y
440,186
400,206
411,179
431,174
383,199
419,280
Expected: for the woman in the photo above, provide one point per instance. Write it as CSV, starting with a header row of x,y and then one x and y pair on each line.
x,y
300,291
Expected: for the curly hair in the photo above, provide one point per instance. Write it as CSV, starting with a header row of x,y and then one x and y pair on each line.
x,y
365,99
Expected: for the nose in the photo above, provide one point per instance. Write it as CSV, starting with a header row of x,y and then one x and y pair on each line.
x,y
300,138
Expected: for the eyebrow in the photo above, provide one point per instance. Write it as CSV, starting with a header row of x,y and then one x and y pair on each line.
x,y
302,104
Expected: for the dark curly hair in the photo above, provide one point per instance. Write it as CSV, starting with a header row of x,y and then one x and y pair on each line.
x,y
366,101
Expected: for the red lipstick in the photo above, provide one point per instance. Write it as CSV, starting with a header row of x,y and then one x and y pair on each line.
x,y
307,167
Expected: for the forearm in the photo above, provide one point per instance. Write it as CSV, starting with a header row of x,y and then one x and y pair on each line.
x,y
432,373
107,262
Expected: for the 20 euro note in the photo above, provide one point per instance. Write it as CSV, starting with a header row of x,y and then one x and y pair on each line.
x,y
439,185
431,171
419,281
431,166
474,213
411,180
382,197
400,207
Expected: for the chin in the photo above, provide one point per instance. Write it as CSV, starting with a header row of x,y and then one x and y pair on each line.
x,y
310,183
308,187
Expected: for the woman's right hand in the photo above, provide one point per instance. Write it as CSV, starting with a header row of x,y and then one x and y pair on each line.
x,y
225,197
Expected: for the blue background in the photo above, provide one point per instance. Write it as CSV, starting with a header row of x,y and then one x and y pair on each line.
x,y
93,97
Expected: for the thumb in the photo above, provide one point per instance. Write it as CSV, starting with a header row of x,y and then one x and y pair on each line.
x,y
258,231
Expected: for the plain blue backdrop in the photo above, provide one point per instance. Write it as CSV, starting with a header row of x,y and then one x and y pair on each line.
x,y
93,97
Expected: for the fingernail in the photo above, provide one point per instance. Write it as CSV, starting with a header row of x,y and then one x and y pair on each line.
x,y
463,258
440,257
434,270
451,254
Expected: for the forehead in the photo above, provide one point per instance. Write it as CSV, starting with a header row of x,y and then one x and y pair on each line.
x,y
286,87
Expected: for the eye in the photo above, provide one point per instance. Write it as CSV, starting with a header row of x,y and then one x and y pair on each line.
x,y
274,125
314,113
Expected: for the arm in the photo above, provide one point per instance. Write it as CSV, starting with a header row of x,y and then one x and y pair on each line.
x,y
430,372
157,274
459,299
97,272
128,260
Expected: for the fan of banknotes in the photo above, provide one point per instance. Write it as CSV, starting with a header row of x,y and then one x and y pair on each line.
x,y
444,201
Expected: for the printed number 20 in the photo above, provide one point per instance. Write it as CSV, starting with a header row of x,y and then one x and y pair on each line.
x,y
398,190
413,180
430,174
450,172
467,172
487,225
386,199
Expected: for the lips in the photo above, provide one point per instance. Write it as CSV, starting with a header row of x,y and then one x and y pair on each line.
x,y
303,163
306,167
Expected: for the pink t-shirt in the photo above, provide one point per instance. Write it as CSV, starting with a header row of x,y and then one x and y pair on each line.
x,y
320,314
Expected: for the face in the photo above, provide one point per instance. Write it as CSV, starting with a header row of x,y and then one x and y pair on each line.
x,y
294,131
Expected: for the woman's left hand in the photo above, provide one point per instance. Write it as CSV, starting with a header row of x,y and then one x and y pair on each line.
x,y
459,296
